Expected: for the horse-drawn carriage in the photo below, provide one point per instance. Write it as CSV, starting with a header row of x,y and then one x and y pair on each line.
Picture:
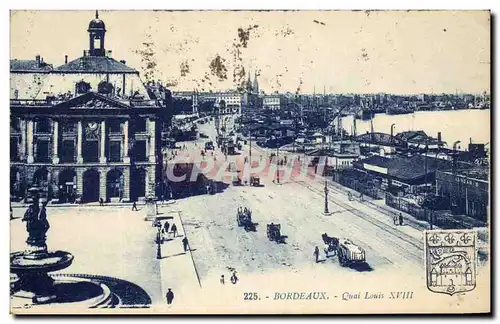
x,y
274,233
348,253
255,181
211,187
244,218
331,244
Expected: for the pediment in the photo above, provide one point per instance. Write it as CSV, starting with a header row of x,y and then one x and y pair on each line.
x,y
92,100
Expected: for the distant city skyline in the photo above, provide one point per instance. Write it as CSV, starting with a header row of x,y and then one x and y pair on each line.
x,y
398,53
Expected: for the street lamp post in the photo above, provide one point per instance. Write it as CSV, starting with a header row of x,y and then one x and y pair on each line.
x,y
326,198
454,166
158,244
278,164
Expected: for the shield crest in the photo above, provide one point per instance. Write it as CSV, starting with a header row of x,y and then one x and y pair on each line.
x,y
450,261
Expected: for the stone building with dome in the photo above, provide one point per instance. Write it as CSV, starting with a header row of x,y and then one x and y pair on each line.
x,y
83,131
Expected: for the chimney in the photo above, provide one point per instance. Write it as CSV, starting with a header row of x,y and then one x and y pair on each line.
x,y
65,59
439,137
38,60
84,53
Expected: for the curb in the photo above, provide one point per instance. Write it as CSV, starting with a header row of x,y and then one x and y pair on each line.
x,y
190,254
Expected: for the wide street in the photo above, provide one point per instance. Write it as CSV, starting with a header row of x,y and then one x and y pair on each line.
x,y
296,204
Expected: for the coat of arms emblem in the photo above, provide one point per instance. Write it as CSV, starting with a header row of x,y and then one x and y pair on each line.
x,y
450,262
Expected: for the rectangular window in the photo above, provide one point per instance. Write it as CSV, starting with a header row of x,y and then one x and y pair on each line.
x,y
140,151
42,151
15,125
140,125
114,151
68,128
43,125
14,149
114,126
90,151
67,152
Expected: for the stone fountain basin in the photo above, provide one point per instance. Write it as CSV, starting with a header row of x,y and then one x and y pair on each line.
x,y
24,263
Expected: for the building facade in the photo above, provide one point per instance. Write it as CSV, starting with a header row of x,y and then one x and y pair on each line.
x,y
467,190
85,131
272,102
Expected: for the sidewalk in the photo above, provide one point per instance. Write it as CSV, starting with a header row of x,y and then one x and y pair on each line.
x,y
177,268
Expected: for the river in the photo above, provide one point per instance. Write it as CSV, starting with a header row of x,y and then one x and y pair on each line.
x,y
454,125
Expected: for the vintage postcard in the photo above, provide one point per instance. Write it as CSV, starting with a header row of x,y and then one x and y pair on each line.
x,y
249,162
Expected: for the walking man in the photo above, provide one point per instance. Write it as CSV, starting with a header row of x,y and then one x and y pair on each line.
x,y
101,202
174,229
166,226
234,279
400,219
395,219
170,296
185,243
11,218
316,253
134,206
222,279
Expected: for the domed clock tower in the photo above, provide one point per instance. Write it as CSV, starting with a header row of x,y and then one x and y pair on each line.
x,y
97,31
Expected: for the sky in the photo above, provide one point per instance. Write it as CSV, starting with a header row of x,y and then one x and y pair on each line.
x,y
297,51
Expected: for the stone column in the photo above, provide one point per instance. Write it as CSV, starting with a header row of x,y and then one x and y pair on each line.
x,y
29,132
151,179
152,140
126,158
79,182
126,185
22,146
103,185
79,144
102,158
55,142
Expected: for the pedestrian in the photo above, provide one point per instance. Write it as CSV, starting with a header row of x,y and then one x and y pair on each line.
x,y
170,296
316,253
222,279
234,279
166,226
134,206
11,217
395,219
174,229
101,202
400,219
185,243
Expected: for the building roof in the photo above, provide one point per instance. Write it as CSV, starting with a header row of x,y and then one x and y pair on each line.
x,y
95,64
29,66
376,160
477,173
407,169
